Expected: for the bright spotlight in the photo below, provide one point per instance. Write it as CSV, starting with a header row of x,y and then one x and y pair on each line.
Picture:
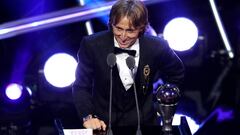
x,y
181,34
192,124
59,70
14,91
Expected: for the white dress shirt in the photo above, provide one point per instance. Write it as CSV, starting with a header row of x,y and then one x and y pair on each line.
x,y
124,72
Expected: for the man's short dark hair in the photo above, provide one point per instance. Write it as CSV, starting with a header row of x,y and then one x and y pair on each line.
x,y
134,10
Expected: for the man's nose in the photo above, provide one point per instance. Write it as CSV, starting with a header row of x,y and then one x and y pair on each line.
x,y
124,34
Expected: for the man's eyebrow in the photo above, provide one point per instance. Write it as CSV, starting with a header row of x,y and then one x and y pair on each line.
x,y
118,27
129,29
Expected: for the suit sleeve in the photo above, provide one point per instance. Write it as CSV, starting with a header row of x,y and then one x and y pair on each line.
x,y
171,65
82,87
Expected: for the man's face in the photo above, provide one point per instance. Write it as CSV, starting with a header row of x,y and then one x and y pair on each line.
x,y
125,34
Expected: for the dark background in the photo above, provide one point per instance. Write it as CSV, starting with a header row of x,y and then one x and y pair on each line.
x,y
212,79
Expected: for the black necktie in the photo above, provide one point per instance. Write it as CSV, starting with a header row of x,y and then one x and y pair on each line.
x,y
120,50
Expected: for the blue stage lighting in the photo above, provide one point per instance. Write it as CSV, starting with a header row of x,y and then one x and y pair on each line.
x,y
181,34
29,91
59,70
150,31
14,91
192,124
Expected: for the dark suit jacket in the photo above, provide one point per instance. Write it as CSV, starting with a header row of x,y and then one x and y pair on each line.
x,y
91,88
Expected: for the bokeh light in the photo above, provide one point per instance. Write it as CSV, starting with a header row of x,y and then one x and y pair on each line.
x,y
181,34
14,91
59,70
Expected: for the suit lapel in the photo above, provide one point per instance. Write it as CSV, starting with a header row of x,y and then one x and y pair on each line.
x,y
143,71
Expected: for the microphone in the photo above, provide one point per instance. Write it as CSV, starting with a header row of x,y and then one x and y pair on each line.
x,y
131,65
111,61
130,62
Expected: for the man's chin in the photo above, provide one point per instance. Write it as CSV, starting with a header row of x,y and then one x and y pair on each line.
x,y
125,45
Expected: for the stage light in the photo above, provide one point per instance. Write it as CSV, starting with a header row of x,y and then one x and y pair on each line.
x,y
15,109
57,18
181,34
221,28
59,70
14,91
192,124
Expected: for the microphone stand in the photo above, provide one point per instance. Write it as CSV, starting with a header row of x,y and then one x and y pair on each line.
x,y
109,131
111,61
138,113
131,64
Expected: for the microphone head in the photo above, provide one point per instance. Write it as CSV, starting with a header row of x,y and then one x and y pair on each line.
x,y
111,59
130,62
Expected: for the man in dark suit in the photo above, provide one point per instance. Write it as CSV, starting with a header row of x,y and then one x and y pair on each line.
x,y
154,59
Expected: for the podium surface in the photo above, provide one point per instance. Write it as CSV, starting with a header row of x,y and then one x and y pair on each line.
x,y
147,130
182,129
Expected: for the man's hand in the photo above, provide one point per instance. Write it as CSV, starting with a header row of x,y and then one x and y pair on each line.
x,y
95,123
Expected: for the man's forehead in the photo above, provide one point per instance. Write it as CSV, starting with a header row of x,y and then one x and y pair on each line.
x,y
126,24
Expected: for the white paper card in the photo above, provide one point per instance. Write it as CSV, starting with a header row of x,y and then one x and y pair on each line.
x,y
78,131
